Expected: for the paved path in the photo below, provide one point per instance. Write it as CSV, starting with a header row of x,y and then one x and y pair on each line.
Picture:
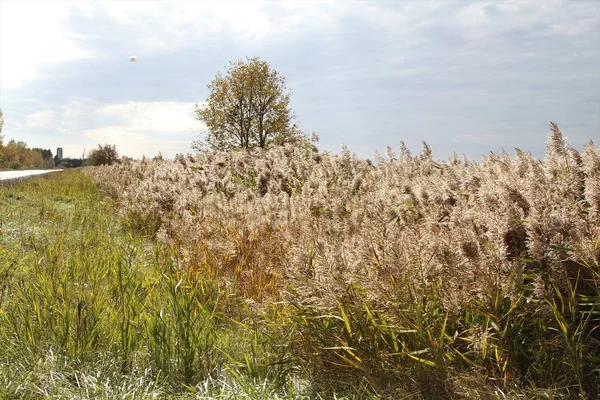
x,y
6,175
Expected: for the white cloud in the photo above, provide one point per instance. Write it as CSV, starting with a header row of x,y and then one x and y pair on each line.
x,y
145,128
176,24
136,128
180,23
74,109
135,143
158,117
484,19
35,33
400,61
31,34
40,119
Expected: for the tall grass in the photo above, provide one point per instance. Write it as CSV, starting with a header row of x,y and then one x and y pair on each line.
x,y
411,276
291,273
90,310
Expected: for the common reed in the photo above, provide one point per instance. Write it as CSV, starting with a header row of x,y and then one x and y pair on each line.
x,y
395,268
401,276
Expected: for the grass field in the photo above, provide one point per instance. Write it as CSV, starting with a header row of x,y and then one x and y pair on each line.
x,y
297,274
92,310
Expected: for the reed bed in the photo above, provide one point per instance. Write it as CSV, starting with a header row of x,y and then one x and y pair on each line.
x,y
407,274
293,273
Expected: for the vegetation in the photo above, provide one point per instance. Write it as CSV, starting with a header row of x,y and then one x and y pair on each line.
x,y
89,309
1,126
408,277
16,155
289,273
68,162
104,155
248,107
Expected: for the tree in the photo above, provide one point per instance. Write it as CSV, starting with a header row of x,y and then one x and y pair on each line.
x,y
36,159
248,107
104,155
47,158
2,157
1,125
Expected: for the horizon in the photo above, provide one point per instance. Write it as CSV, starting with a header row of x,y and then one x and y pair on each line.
x,y
465,77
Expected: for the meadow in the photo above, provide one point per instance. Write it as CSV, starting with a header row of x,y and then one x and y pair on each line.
x,y
294,273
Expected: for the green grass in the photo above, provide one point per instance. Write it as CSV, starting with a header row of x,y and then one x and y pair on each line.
x,y
89,309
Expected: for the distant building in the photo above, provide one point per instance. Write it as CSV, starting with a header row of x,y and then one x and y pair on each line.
x,y
59,153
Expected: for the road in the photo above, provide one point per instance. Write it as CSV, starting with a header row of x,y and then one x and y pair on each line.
x,y
7,175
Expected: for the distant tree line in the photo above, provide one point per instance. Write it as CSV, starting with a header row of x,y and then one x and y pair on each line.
x,y
69,162
16,155
102,155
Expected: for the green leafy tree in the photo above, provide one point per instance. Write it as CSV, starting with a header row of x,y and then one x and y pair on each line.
x,y
103,155
47,158
248,107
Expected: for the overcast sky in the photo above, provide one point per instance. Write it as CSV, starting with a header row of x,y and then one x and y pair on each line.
x,y
470,77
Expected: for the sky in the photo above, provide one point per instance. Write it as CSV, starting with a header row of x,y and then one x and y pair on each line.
x,y
465,76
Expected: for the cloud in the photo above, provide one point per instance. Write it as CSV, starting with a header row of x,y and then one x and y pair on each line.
x,y
145,128
32,34
40,119
478,75
136,128
135,143
156,117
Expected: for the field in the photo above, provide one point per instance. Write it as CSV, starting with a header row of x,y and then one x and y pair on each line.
x,y
292,273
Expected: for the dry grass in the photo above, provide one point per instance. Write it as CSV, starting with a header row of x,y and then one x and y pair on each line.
x,y
388,272
324,275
